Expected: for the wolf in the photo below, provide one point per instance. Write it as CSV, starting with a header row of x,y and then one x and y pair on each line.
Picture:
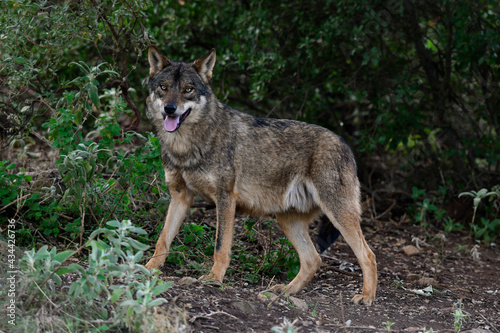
x,y
257,166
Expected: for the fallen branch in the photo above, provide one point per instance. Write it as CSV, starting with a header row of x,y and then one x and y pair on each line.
x,y
207,316
13,202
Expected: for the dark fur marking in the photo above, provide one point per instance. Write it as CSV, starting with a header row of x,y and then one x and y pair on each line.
x,y
339,174
177,74
230,152
275,123
218,243
327,234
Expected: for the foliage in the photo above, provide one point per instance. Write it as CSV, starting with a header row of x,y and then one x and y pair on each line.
x,y
285,327
459,317
10,184
193,249
119,291
427,208
487,229
278,255
195,245
388,325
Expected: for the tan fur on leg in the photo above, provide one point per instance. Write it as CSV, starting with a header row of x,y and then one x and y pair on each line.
x,y
296,229
179,206
226,206
351,231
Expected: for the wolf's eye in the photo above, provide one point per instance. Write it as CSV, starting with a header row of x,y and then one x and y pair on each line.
x,y
163,87
188,90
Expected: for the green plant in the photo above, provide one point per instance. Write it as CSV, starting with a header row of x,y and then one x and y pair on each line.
x,y
486,225
77,170
112,279
314,312
486,229
397,284
10,183
279,256
88,83
285,327
428,208
388,325
459,316
195,245
194,249
449,225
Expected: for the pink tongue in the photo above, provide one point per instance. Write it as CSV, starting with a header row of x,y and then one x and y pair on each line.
x,y
171,123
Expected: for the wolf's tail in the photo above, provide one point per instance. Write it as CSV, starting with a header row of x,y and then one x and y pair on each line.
x,y
327,234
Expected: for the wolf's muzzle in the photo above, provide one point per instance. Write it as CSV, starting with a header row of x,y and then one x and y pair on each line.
x,y
170,108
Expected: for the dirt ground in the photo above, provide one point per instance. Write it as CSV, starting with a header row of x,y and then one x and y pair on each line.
x,y
459,282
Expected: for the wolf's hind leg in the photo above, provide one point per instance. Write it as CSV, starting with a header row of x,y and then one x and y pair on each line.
x,y
179,206
347,223
296,229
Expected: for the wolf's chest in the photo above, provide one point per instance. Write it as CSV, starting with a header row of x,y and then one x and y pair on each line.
x,y
202,183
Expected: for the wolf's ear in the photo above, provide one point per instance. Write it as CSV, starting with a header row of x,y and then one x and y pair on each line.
x,y
157,61
205,65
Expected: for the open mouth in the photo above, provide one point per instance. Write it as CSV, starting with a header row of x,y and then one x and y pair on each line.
x,y
172,123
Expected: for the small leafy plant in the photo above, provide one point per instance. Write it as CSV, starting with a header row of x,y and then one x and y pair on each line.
x,y
10,183
487,228
119,291
388,325
427,207
459,316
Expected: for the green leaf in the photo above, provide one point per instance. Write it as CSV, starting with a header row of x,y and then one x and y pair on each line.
x,y
144,270
161,288
477,200
482,192
57,279
156,302
114,223
129,302
61,256
42,253
70,269
94,97
138,245
116,294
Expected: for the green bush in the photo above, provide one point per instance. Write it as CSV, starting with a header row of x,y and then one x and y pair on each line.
x,y
111,290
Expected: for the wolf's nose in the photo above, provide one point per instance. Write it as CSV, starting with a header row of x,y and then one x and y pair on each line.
x,y
170,108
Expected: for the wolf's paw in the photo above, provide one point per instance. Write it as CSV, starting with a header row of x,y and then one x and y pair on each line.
x,y
279,288
289,289
363,299
210,277
153,263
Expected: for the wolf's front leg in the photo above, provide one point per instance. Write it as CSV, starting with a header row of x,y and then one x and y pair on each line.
x,y
181,201
226,206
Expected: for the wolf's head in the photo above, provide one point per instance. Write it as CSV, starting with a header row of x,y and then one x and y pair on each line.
x,y
178,92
